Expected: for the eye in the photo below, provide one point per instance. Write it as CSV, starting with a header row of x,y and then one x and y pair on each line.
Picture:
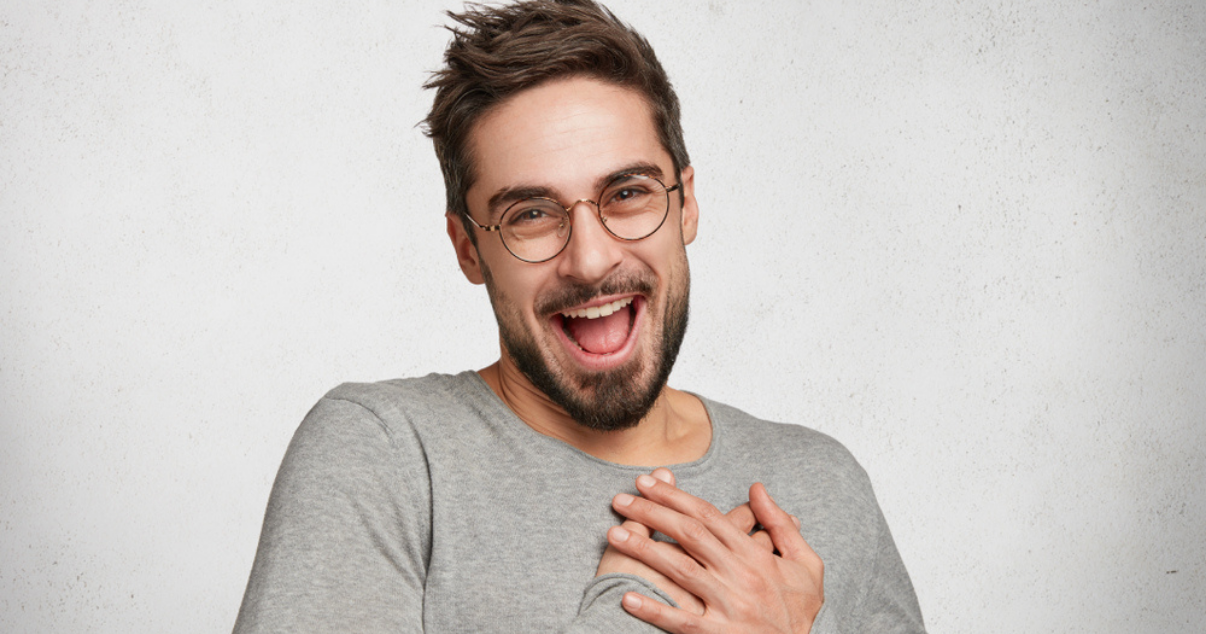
x,y
628,192
533,217
529,215
529,211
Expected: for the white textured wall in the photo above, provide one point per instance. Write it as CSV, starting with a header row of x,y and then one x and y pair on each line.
x,y
966,238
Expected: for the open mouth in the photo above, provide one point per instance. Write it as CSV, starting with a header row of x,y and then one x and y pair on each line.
x,y
605,329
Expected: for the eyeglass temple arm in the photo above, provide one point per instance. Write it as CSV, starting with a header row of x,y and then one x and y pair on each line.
x,y
481,226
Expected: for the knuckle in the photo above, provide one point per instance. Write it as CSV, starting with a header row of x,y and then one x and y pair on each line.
x,y
696,531
637,545
691,626
745,610
636,528
685,568
708,513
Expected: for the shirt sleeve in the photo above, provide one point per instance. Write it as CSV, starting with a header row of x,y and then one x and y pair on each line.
x,y
601,611
347,533
867,588
890,604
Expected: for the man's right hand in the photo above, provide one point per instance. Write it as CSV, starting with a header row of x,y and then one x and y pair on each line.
x,y
614,561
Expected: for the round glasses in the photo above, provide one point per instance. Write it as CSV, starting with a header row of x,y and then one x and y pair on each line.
x,y
631,207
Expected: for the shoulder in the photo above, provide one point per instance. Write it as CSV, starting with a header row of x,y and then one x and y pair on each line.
x,y
405,397
745,432
399,406
789,450
384,420
363,438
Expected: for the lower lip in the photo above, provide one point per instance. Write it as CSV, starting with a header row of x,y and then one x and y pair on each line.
x,y
611,360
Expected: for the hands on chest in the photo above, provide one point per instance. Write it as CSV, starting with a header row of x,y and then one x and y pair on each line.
x,y
724,578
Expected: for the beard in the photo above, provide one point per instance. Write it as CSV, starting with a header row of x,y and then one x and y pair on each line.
x,y
609,400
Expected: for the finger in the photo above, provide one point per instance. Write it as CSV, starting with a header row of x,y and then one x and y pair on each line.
x,y
636,527
665,475
667,618
692,534
742,517
688,505
667,559
778,523
763,541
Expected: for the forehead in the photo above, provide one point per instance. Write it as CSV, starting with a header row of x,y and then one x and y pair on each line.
x,y
562,135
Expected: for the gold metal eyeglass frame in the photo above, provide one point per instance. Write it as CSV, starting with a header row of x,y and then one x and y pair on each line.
x,y
569,212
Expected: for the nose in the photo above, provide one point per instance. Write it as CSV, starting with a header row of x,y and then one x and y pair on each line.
x,y
592,253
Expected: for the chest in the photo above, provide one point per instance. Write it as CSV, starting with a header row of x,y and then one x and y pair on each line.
x,y
513,545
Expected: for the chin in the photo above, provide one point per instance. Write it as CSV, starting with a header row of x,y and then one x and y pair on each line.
x,y
612,399
603,352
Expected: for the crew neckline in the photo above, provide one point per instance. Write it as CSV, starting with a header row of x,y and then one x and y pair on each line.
x,y
492,400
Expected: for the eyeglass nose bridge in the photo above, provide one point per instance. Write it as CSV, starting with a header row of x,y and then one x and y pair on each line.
x,y
569,213
570,209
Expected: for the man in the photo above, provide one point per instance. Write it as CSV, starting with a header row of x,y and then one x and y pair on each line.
x,y
488,501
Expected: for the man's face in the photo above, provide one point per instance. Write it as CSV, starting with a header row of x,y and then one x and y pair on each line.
x,y
564,140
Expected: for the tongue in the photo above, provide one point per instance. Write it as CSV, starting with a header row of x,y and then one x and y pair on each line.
x,y
603,335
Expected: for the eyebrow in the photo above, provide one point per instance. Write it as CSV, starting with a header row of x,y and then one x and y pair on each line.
x,y
508,195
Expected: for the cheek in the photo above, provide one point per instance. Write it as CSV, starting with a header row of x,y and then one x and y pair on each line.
x,y
511,290
667,258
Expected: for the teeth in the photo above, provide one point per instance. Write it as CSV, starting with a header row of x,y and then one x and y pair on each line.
x,y
594,312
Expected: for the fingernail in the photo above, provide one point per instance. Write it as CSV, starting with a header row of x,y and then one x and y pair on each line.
x,y
795,520
664,475
645,481
619,534
623,499
632,601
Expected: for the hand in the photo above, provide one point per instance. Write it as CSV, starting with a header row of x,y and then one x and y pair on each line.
x,y
743,586
613,560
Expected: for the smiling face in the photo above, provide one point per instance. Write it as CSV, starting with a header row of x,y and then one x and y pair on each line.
x,y
597,327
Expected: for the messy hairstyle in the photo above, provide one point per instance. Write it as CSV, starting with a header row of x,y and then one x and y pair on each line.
x,y
497,52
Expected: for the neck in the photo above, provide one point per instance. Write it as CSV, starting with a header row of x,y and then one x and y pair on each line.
x,y
676,429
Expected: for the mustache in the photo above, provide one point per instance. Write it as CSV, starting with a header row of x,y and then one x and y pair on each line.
x,y
572,295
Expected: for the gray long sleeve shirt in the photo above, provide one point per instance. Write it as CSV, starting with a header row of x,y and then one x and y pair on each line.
x,y
426,505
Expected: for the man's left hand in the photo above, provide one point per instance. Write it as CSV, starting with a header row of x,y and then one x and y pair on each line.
x,y
743,586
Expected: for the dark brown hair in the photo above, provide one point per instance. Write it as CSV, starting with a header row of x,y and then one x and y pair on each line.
x,y
497,52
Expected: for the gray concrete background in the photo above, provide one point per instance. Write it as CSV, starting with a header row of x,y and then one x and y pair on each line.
x,y
966,238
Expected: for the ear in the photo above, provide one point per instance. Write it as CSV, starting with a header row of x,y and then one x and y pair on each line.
x,y
466,253
690,212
